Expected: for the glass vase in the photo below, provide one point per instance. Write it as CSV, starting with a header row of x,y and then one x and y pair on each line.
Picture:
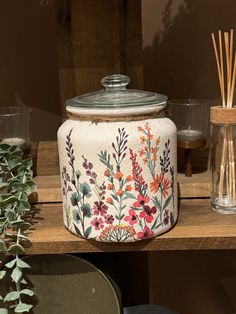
x,y
223,165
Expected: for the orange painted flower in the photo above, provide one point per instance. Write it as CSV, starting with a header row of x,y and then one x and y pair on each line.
x,y
143,139
141,152
145,148
118,175
157,142
120,192
162,183
110,186
109,200
107,173
154,157
128,187
140,129
145,160
129,178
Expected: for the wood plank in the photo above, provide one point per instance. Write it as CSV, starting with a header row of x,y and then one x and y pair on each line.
x,y
49,187
199,185
198,228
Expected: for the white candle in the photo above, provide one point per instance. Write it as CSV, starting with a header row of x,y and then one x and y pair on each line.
x,y
17,141
188,135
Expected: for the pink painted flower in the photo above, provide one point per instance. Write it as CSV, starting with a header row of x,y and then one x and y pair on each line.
x,y
141,201
100,208
147,213
97,223
132,218
109,219
146,233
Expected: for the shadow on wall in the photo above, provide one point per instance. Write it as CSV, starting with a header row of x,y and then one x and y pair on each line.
x,y
180,61
28,63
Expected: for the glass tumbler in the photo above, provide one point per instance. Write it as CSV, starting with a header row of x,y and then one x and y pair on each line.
x,y
15,126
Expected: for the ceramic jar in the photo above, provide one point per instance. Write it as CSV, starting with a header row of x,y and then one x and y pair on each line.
x,y
118,164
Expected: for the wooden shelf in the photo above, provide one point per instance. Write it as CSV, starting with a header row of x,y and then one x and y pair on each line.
x,y
198,228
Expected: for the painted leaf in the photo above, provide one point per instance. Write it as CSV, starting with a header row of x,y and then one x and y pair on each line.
x,y
75,198
23,307
87,232
16,274
22,264
12,296
85,189
2,274
167,202
77,230
27,291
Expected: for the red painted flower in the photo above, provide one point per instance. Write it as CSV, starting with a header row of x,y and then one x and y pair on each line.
x,y
141,201
132,218
109,219
97,223
100,208
147,213
146,233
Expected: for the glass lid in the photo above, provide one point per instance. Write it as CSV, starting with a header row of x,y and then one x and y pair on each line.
x,y
116,95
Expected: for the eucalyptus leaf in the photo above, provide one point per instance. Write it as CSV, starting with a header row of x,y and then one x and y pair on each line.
x,y
2,245
12,296
16,249
23,281
3,311
16,274
3,185
9,200
23,307
22,264
27,292
27,163
22,205
2,274
31,185
10,264
1,298
25,226
21,187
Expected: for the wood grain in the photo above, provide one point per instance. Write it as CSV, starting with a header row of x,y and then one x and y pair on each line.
x,y
198,228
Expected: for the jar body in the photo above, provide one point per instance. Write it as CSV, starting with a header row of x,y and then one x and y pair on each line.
x,y
223,140
118,178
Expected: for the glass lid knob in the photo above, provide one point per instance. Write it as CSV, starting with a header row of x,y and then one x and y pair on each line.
x,y
115,82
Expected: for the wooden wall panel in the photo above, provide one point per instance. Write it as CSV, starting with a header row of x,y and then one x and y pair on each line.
x,y
95,39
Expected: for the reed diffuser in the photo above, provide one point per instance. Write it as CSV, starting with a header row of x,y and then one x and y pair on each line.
x,y
223,129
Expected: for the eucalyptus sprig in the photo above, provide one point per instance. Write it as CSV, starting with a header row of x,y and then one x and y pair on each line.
x,y
15,185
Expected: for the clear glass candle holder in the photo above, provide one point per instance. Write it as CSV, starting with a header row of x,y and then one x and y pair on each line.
x,y
191,116
15,126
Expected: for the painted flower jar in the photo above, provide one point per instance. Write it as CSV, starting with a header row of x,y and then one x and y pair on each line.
x,y
117,156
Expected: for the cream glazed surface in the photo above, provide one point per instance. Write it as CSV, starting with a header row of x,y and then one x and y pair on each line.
x,y
118,178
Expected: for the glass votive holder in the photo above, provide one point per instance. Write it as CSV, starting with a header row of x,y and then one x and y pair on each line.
x,y
15,127
191,117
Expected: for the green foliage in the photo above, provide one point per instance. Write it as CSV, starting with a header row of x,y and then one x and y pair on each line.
x,y
15,185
